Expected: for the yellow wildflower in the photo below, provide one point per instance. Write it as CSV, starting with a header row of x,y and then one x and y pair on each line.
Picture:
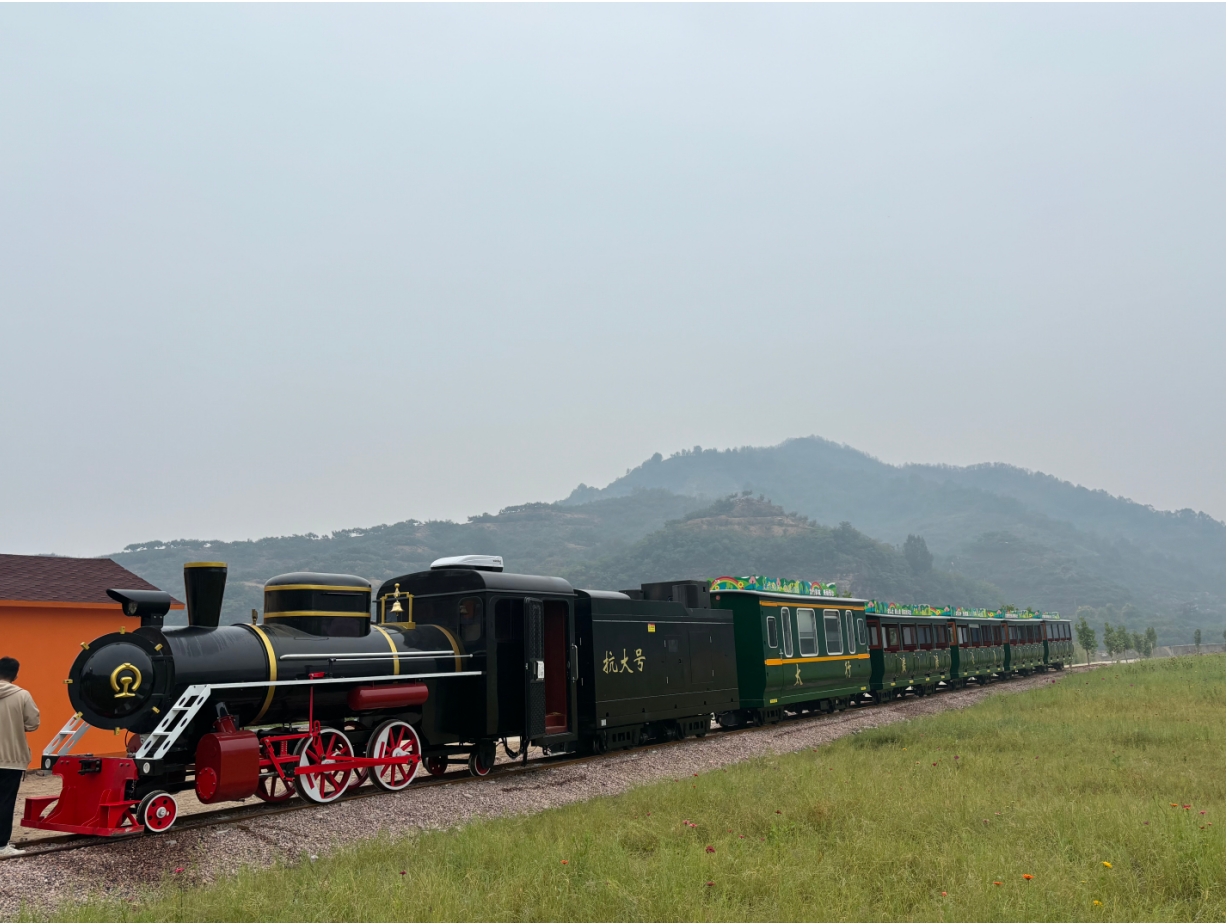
x,y
1107,864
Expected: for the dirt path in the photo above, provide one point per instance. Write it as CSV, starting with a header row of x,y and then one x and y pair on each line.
x,y
124,869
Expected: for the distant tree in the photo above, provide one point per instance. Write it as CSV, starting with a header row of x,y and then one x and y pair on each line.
x,y
1112,640
1197,640
1086,636
917,553
1137,642
1148,642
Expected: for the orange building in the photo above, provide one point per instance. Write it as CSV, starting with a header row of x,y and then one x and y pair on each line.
x,y
48,607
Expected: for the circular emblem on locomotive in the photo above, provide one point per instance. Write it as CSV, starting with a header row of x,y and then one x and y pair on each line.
x,y
113,680
125,679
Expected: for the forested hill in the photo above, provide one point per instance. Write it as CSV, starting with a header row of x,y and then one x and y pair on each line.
x,y
745,535
1031,535
996,535
606,544
533,539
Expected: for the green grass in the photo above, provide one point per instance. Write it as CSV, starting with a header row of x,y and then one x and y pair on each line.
x,y
935,819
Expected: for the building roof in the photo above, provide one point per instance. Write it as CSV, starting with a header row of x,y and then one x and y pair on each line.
x,y
52,579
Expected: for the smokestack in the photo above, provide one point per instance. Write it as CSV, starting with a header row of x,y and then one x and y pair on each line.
x,y
205,583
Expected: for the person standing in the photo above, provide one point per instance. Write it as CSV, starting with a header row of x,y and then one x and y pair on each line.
x,y
18,715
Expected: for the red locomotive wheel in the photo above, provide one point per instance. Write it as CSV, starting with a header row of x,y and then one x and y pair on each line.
x,y
436,765
324,786
477,767
273,788
157,811
394,738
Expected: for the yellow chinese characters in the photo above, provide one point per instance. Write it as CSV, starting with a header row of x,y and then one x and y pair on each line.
x,y
611,664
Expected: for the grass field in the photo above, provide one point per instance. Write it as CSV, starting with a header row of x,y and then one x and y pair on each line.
x,y
1097,798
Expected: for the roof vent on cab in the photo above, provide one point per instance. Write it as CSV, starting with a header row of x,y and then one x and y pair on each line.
x,y
470,562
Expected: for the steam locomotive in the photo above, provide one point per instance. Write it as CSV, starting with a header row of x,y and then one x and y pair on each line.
x,y
440,667
324,694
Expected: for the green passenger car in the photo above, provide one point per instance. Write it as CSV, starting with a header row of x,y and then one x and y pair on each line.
x,y
909,648
799,647
1058,641
978,650
1024,645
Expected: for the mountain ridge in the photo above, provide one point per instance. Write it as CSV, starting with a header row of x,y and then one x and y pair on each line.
x,y
996,533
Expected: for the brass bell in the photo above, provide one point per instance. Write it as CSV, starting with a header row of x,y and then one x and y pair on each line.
x,y
396,607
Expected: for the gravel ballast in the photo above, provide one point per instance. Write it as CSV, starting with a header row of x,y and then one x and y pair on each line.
x,y
126,868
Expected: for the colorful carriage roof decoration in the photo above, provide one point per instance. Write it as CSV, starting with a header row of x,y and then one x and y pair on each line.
x,y
880,608
772,585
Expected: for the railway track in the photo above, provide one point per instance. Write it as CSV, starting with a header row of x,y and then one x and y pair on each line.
x,y
60,843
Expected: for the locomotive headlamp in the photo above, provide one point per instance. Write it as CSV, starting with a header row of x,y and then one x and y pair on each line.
x,y
150,605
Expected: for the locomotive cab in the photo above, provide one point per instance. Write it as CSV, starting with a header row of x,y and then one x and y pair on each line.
x,y
517,630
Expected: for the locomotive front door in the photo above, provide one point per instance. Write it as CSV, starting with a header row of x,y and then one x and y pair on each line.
x,y
534,668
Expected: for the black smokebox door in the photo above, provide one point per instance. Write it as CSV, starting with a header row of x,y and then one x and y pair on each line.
x,y
534,669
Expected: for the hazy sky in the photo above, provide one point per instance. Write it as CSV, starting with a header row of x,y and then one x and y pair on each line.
x,y
276,269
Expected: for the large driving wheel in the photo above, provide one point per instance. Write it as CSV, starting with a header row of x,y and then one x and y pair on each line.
x,y
323,785
394,738
157,811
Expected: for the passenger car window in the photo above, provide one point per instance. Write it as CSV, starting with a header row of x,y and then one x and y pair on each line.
x,y
909,637
873,636
849,633
786,625
835,643
807,633
892,635
771,639
860,631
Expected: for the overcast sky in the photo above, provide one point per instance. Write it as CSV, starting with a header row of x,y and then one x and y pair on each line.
x,y
271,269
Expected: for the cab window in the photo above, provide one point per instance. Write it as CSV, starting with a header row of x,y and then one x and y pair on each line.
x,y
470,619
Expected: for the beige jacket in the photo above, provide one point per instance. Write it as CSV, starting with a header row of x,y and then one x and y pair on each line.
x,y
18,715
